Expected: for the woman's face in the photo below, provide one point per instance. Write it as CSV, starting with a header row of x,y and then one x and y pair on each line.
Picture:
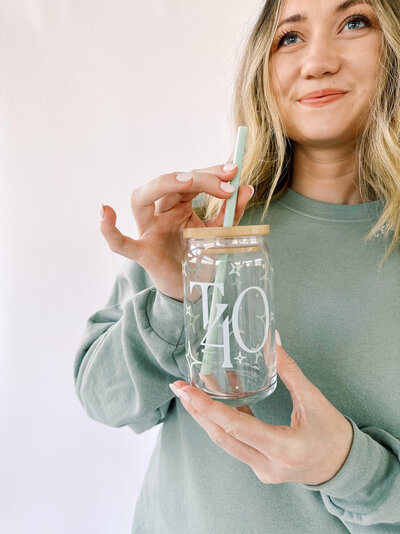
x,y
331,44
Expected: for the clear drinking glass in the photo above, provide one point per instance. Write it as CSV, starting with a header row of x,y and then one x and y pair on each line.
x,y
229,313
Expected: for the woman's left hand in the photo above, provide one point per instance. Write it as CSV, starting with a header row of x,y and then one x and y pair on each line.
x,y
309,451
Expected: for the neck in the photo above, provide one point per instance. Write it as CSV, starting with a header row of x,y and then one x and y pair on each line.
x,y
327,175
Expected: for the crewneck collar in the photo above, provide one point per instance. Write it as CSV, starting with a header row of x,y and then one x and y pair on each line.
x,y
327,211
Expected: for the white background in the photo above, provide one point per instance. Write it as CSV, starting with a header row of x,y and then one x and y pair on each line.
x,y
97,97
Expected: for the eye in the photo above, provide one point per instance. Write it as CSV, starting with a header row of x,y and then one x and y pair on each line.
x,y
288,36
354,22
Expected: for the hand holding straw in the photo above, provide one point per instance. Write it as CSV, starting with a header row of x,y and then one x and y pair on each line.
x,y
212,333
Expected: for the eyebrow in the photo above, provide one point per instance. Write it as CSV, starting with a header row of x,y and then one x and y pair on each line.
x,y
342,7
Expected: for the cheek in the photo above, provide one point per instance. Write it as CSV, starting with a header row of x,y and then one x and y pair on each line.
x,y
364,64
282,80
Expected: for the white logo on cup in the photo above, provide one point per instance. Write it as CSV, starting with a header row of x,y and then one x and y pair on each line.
x,y
219,311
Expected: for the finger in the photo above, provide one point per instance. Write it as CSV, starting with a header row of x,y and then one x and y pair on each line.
x,y
236,448
244,195
218,170
143,198
118,242
246,409
301,389
269,439
202,181
168,202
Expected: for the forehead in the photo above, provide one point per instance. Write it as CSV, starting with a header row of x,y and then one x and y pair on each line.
x,y
292,7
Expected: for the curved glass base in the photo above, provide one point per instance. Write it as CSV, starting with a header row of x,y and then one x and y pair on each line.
x,y
250,398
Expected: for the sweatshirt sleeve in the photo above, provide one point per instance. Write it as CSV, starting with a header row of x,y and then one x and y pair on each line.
x,y
129,352
365,493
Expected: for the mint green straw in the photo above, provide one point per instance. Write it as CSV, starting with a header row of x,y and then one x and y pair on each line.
x,y
212,334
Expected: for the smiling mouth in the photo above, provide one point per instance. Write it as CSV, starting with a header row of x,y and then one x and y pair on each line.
x,y
322,100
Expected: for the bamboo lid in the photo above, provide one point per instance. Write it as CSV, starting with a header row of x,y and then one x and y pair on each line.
x,y
225,231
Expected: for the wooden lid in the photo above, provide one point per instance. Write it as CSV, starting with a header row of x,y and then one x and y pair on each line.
x,y
225,231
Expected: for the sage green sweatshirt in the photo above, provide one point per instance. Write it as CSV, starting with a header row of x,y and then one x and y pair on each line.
x,y
338,317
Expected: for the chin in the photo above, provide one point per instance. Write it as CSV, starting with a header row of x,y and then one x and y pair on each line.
x,y
322,140
321,134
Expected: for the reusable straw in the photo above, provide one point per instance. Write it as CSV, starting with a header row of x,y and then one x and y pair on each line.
x,y
212,333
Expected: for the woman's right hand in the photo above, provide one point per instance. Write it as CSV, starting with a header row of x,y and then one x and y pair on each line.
x,y
162,208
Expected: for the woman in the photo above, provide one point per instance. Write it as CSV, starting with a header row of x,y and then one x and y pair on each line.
x,y
318,88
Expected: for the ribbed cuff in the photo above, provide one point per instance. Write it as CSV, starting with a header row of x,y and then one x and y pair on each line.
x,y
365,465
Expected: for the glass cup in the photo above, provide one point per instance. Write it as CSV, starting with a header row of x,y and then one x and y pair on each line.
x,y
229,313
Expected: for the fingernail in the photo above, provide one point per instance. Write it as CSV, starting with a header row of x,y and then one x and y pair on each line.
x,y
184,395
278,338
228,188
180,393
174,389
184,176
101,211
252,190
229,167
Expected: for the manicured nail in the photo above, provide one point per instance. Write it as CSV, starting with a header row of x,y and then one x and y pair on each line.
x,y
174,389
228,188
101,211
278,338
184,395
184,176
229,167
180,393
252,190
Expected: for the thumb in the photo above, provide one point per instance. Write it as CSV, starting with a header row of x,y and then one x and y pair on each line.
x,y
291,374
245,193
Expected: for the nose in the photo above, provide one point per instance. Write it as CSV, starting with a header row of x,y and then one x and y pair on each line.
x,y
321,59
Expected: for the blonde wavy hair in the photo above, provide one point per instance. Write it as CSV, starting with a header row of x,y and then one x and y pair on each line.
x,y
268,159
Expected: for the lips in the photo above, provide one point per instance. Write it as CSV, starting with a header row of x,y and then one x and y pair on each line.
x,y
322,93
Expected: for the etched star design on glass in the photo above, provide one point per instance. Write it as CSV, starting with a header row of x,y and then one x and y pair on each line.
x,y
192,358
235,268
237,282
185,268
192,322
240,358
263,272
